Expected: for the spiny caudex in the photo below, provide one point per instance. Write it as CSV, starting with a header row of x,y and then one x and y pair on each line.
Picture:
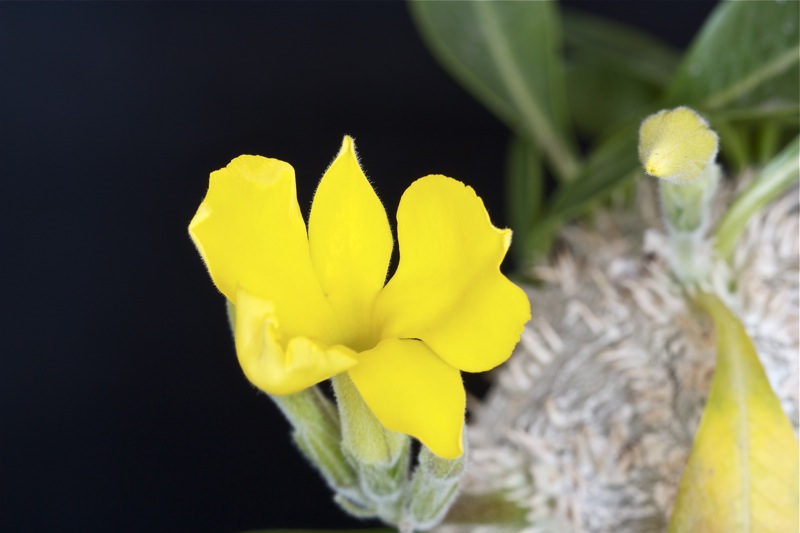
x,y
309,304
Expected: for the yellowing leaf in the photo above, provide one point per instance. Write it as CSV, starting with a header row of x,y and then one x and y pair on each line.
x,y
742,474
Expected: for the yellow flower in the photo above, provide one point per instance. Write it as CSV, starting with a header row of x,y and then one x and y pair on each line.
x,y
312,305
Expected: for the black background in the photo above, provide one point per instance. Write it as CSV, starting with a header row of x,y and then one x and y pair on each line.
x,y
122,404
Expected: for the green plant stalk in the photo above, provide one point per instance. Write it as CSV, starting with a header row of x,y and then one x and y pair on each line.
x,y
686,205
778,176
734,144
686,209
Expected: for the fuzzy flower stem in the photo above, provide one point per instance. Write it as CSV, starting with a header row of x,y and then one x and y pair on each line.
x,y
380,456
434,488
678,147
686,208
686,205
316,433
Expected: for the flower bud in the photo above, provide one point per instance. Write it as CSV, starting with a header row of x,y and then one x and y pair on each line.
x,y
676,145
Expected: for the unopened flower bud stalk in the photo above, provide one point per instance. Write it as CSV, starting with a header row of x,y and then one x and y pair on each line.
x,y
686,205
678,147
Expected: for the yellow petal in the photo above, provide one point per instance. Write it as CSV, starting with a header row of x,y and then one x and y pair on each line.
x,y
412,391
351,244
270,367
742,473
251,234
676,144
448,289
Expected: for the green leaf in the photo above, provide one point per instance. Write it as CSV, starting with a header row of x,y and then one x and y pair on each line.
x,y
781,173
524,192
767,142
496,509
734,145
618,49
507,55
611,165
742,474
782,112
622,97
613,71
746,57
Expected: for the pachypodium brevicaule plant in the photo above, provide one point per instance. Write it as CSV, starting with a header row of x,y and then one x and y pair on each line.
x,y
656,386
655,380
310,305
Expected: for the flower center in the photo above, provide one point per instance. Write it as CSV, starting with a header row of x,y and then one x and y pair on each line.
x,y
362,334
